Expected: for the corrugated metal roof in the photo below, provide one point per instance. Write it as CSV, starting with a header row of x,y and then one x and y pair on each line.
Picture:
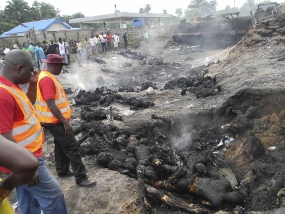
x,y
37,25
117,16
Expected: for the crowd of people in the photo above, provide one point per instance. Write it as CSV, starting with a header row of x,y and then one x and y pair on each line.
x,y
73,50
102,42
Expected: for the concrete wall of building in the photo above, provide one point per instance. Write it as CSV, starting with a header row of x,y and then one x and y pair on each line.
x,y
133,33
57,27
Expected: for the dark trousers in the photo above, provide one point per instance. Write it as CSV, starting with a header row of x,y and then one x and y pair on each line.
x,y
68,58
103,44
66,152
108,46
126,44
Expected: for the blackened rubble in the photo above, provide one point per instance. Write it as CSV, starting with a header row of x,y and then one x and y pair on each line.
x,y
147,59
200,85
133,86
108,70
133,55
105,97
171,44
100,61
148,156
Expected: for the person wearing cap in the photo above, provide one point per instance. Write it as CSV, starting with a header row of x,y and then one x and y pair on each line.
x,y
54,112
19,124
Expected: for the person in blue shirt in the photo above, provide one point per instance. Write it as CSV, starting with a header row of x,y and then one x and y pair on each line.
x,y
40,56
34,55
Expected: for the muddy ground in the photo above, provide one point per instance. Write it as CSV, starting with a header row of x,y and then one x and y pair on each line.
x,y
226,134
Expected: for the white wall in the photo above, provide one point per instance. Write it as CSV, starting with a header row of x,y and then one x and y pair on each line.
x,y
56,27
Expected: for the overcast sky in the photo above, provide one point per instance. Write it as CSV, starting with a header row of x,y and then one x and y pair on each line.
x,y
93,8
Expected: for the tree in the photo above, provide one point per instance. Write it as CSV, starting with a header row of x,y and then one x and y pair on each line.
x,y
178,12
17,10
164,11
146,9
77,15
41,10
204,7
5,23
65,18
196,4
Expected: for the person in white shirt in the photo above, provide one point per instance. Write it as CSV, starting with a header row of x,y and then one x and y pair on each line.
x,y
95,40
92,44
103,42
67,50
116,41
6,50
61,48
16,46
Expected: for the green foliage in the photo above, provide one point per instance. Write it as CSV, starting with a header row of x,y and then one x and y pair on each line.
x,y
5,26
17,10
178,12
41,10
205,7
146,9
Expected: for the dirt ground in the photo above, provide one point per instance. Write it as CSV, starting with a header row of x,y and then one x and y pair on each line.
x,y
249,73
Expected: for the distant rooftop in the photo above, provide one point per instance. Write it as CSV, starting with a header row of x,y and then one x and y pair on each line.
x,y
41,25
119,16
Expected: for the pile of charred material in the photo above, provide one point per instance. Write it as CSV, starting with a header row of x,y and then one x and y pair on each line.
x,y
105,97
216,161
171,44
145,58
133,86
198,84
134,55
193,178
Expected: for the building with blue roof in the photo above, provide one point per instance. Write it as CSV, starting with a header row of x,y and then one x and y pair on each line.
x,y
42,26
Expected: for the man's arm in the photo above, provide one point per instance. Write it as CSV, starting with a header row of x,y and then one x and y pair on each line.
x,y
20,161
57,113
32,88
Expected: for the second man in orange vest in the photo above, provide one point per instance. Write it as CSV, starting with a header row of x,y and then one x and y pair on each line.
x,y
53,110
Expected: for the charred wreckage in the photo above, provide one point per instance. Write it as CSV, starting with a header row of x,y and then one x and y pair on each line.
x,y
195,178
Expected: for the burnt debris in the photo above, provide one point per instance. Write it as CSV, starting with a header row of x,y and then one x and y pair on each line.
x,y
201,86
105,97
175,179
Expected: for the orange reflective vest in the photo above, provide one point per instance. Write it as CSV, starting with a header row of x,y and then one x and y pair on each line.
x,y
42,110
27,132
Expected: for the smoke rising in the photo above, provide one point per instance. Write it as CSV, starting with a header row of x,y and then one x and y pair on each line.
x,y
182,141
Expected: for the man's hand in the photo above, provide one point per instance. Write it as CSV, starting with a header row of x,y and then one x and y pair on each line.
x,y
34,181
34,78
68,129
4,193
